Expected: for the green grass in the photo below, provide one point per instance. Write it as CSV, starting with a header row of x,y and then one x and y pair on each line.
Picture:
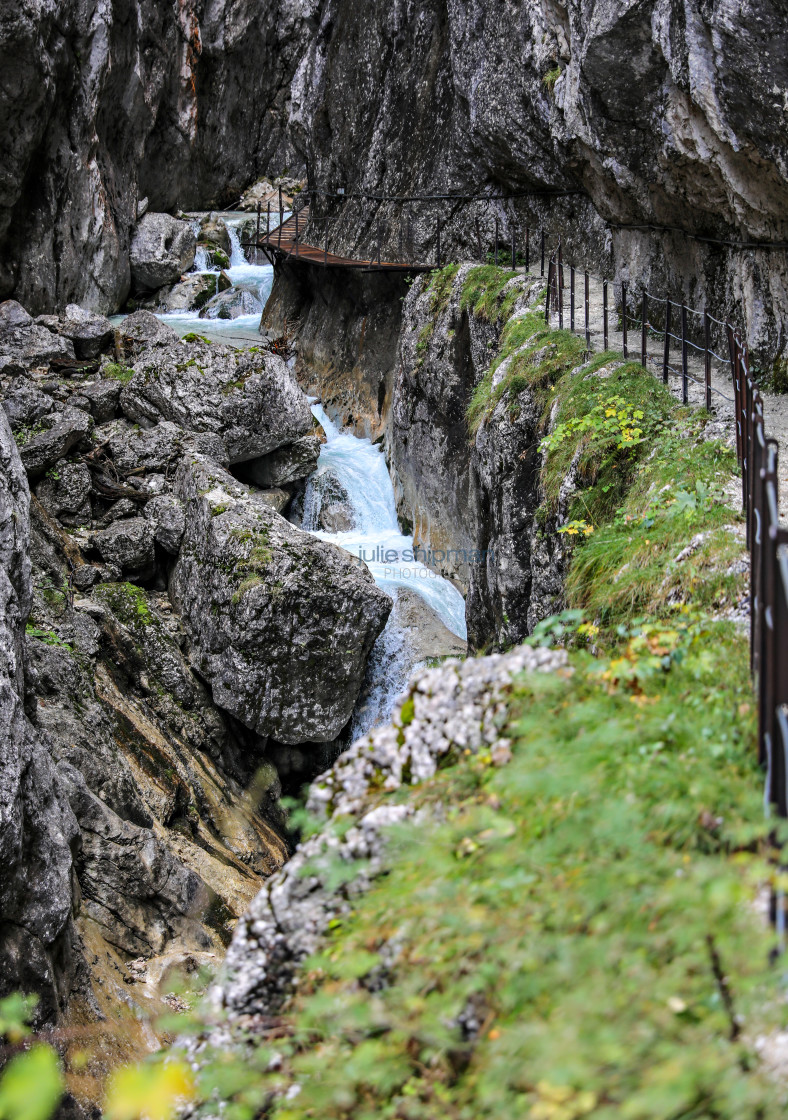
x,y
482,293
540,357
583,901
117,371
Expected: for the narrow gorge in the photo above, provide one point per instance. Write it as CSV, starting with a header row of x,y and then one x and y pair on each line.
x,y
381,660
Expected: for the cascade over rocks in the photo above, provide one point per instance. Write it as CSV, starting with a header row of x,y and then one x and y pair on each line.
x,y
282,623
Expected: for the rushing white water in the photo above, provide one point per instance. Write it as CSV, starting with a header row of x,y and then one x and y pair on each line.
x,y
256,279
360,469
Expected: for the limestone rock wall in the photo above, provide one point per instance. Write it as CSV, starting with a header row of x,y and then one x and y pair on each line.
x,y
106,103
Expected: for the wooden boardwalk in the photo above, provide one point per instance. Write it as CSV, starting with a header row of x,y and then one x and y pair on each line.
x,y
281,244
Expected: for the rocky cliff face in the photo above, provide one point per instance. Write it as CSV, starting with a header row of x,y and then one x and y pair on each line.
x,y
161,624
107,104
665,113
671,114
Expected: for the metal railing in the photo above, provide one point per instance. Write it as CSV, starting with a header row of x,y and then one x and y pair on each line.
x,y
757,454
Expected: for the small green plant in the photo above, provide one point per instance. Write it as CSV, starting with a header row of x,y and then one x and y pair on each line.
x,y
117,371
551,77
48,637
611,423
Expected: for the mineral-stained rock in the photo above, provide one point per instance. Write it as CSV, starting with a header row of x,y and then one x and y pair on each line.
x,y
281,623
249,399
133,887
43,450
90,333
167,516
129,543
38,832
162,248
65,492
286,465
453,708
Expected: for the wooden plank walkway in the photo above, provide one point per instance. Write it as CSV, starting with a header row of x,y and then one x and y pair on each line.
x,y
282,244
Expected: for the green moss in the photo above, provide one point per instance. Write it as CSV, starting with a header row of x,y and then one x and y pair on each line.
x,y
440,288
551,77
127,601
192,336
117,371
482,293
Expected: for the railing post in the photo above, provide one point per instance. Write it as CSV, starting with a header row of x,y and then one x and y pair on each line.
x,y
268,220
604,316
560,287
542,271
548,293
587,312
571,297
527,250
514,249
736,389
281,217
257,239
666,354
624,346
707,357
684,380
439,242
644,331
496,242
296,231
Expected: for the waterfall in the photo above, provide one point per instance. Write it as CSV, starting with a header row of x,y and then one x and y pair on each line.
x,y
359,467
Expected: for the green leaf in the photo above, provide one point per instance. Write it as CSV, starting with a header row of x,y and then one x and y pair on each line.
x,y
31,1086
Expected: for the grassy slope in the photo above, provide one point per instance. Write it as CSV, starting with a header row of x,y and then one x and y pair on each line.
x,y
588,907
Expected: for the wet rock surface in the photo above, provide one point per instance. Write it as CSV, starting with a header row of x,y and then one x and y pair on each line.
x,y
282,623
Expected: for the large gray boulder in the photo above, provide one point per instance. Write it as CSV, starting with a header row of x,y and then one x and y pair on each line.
x,y
65,493
24,344
162,249
250,399
142,329
286,465
43,450
38,832
129,544
281,624
90,333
